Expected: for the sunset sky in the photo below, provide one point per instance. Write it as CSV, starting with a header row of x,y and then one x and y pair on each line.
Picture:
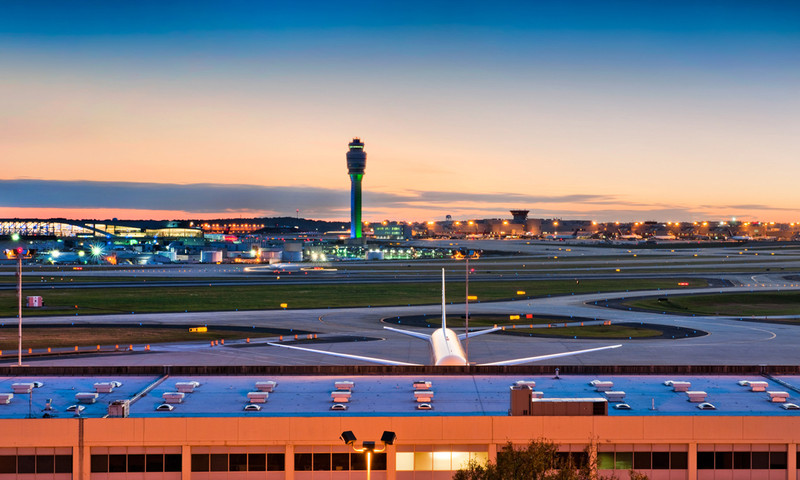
x,y
630,110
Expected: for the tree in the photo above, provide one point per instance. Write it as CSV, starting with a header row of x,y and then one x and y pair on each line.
x,y
539,460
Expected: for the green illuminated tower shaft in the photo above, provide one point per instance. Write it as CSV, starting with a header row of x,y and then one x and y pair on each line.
x,y
356,163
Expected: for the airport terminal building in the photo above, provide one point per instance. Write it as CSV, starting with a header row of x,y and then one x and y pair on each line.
x,y
104,425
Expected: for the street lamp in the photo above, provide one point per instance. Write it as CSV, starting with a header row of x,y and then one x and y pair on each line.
x,y
349,438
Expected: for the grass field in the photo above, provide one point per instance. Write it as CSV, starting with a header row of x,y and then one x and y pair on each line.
x,y
593,331
83,335
258,297
729,304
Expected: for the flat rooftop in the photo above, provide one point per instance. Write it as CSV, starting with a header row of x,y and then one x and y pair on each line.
x,y
391,395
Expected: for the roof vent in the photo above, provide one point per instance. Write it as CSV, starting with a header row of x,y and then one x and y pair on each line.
x,y
422,385
681,386
696,396
778,397
186,387
5,398
344,385
526,383
423,396
173,397
341,396
758,386
615,396
267,386
86,397
603,386
257,397
104,387
22,388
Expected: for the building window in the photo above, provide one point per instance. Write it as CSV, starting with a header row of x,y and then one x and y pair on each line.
x,y
432,461
726,460
135,463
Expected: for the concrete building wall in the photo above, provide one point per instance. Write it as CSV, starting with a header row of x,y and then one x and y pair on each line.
x,y
418,435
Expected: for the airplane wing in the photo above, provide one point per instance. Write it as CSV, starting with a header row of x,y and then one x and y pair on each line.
x,y
518,361
462,336
381,361
423,336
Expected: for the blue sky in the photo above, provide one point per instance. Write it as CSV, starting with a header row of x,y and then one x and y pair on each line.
x,y
600,110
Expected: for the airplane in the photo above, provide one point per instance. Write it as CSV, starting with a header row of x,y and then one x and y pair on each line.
x,y
445,346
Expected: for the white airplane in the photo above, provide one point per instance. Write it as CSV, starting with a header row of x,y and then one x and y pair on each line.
x,y
445,346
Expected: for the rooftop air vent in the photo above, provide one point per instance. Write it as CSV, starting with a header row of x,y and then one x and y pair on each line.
x,y
341,396
423,396
344,385
422,385
681,386
257,397
778,397
696,396
173,397
267,386
86,397
21,388
5,398
186,387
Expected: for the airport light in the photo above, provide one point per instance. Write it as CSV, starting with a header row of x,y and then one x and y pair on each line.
x,y
349,438
15,237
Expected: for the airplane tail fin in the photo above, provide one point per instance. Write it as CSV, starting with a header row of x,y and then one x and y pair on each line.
x,y
444,316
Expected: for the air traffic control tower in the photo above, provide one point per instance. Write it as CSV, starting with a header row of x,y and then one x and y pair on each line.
x,y
356,163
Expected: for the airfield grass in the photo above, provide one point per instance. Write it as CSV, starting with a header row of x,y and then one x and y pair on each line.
x,y
728,304
592,331
84,335
265,297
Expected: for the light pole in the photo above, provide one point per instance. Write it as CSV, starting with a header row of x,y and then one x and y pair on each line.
x,y
387,438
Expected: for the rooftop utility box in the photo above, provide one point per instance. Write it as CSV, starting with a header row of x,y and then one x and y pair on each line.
x,y
21,388
104,387
422,385
119,408
601,386
267,386
186,387
778,397
423,396
681,386
340,396
257,397
173,397
86,397
344,385
616,396
697,396
520,400
568,407
758,386
35,301
526,383
5,398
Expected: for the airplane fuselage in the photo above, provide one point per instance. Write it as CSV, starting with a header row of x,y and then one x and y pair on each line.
x,y
446,348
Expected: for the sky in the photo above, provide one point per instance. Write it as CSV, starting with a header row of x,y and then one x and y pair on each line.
x,y
607,111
